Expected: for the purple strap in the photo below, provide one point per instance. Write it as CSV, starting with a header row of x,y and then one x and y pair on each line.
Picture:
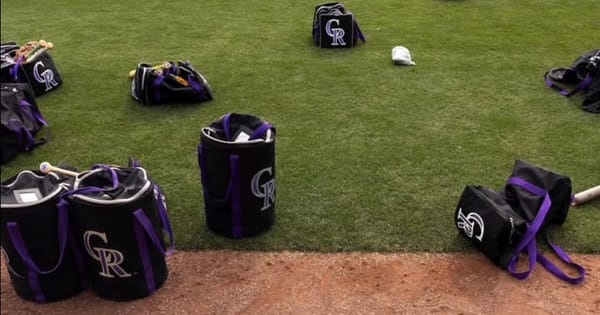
x,y
529,240
157,83
194,84
113,175
162,212
580,86
18,242
236,209
143,227
14,71
226,119
260,131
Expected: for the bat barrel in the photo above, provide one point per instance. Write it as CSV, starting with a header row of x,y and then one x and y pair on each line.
x,y
586,196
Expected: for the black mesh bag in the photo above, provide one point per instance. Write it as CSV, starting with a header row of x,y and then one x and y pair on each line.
x,y
236,156
120,216
169,83
21,121
43,259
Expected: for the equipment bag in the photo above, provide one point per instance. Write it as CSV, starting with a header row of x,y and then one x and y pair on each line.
x,y
582,76
532,199
335,27
236,156
169,83
34,66
485,218
43,259
21,121
120,216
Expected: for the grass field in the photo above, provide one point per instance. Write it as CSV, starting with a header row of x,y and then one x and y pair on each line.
x,y
370,156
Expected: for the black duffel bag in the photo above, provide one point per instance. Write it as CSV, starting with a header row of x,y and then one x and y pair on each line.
x,y
21,120
120,216
236,156
169,83
43,259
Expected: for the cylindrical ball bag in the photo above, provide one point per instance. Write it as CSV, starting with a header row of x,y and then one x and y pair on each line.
x,y
236,156
43,260
120,216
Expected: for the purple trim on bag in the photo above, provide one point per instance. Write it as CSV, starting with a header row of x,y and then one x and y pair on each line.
x,y
260,131
226,118
552,268
236,211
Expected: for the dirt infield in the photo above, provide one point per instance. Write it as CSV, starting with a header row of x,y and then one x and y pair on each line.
x,y
230,282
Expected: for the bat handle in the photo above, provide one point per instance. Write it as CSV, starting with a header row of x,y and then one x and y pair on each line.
x,y
586,195
46,168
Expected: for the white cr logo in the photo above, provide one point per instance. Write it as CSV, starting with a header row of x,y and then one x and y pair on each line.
x,y
266,190
46,76
110,259
337,34
467,224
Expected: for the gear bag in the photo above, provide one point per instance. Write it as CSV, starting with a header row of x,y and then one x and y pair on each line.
x,y
120,216
236,156
21,121
582,76
506,223
30,64
169,83
335,27
43,259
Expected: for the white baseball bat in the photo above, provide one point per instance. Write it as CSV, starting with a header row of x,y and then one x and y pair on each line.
x,y
46,168
586,196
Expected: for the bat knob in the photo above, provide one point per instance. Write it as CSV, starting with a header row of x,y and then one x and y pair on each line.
x,y
45,167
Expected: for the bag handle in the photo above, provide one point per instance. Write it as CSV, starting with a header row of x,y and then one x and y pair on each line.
x,y
528,240
202,165
142,227
162,212
18,242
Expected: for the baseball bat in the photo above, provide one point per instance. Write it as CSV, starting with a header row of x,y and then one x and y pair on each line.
x,y
46,168
586,196
157,67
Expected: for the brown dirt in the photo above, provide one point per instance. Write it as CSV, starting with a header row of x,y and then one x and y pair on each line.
x,y
231,282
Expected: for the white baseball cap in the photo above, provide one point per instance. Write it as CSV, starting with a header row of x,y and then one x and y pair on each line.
x,y
401,56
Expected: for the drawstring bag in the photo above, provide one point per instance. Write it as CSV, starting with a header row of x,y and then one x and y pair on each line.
x,y
236,156
44,261
120,216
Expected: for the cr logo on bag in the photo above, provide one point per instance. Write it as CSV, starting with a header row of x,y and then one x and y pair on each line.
x,y
337,34
46,76
266,190
110,259
467,224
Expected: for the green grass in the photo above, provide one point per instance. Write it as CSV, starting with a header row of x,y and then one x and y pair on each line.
x,y
370,156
